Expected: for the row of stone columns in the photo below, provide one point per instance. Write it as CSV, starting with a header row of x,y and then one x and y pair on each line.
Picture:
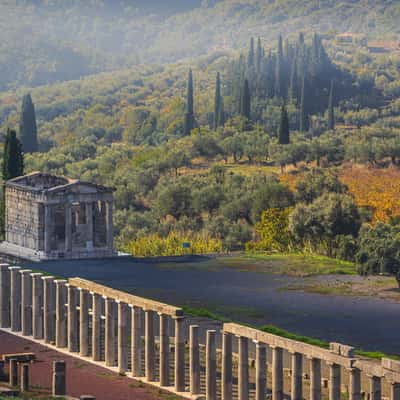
x,y
48,309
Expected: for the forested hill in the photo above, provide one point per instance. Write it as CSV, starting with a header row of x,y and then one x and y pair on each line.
x,y
54,40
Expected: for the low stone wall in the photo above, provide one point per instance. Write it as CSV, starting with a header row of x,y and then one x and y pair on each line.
x,y
151,342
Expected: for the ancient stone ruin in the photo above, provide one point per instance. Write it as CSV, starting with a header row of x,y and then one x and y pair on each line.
x,y
50,217
156,343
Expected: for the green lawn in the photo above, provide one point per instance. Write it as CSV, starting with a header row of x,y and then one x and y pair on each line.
x,y
293,264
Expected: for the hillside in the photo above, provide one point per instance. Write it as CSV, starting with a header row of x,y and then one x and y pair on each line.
x,y
53,41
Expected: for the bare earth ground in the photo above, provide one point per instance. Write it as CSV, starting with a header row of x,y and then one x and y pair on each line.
x,y
82,377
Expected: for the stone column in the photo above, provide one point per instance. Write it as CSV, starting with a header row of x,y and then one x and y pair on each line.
x,y
136,348
164,350
354,384
89,221
68,227
261,371
48,228
110,355
4,296
315,379
25,378
334,381
394,391
149,345
297,377
122,337
226,368
61,313
72,319
96,327
59,387
109,223
84,323
13,372
277,373
211,366
15,299
26,302
49,309
37,304
243,368
375,388
194,360
179,354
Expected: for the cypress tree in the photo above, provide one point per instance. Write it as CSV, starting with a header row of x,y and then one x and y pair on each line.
x,y
284,133
217,102
304,123
245,103
189,116
259,55
279,70
13,166
27,126
13,161
250,58
331,114
294,81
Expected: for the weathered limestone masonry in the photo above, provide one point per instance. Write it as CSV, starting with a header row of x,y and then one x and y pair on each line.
x,y
106,326
51,217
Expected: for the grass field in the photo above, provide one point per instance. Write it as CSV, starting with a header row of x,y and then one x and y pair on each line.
x,y
296,264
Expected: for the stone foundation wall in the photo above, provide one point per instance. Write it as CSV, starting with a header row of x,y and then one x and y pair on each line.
x,y
24,219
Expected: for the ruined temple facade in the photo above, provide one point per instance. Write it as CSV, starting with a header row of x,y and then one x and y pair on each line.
x,y
49,217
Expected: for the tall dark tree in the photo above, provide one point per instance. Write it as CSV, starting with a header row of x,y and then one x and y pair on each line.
x,y
250,58
13,160
279,73
294,82
304,121
13,166
284,133
259,55
27,126
245,100
331,114
218,104
189,116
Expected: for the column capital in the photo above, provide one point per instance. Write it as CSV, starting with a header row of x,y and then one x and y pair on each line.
x,y
61,282
48,278
25,271
14,268
36,274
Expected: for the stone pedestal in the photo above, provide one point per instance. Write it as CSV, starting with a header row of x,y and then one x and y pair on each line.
x,y
49,318
164,350
59,387
194,360
25,378
226,370
334,382
211,366
26,302
96,327
297,377
84,323
179,355
149,346
136,348
4,296
61,313
277,373
13,372
315,379
15,299
72,319
243,368
37,304
110,354
122,337
261,371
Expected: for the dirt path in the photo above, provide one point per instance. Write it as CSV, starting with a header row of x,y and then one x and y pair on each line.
x,y
82,377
